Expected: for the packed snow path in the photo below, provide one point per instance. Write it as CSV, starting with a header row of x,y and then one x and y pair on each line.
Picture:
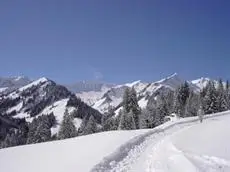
x,y
188,146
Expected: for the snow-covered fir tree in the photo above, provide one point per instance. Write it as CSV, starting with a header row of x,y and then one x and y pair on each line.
x,y
221,97
227,94
67,128
180,99
136,110
39,129
192,105
109,121
161,110
210,103
9,141
126,100
127,121
130,103
91,126
148,115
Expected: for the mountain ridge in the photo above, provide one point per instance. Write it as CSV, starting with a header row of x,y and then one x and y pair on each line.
x,y
113,96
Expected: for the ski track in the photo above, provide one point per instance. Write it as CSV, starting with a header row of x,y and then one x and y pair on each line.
x,y
209,163
141,154
130,153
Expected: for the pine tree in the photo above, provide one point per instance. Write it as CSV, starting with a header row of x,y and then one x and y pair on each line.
x,y
180,99
169,98
91,126
192,105
67,128
39,130
83,125
227,95
127,121
130,103
126,100
161,110
43,133
135,107
210,104
10,140
146,119
151,112
221,97
109,121
109,124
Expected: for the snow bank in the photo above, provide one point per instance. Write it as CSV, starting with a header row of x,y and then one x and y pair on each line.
x,y
71,155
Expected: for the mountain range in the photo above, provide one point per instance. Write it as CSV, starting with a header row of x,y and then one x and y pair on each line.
x,y
101,95
23,100
112,96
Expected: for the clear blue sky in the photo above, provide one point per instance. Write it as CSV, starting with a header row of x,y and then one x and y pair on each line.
x,y
114,40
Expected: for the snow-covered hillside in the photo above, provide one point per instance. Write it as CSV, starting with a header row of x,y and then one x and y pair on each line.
x,y
91,97
181,145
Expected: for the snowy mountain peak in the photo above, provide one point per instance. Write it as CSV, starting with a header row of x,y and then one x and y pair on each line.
x,y
34,83
133,83
43,79
201,82
171,77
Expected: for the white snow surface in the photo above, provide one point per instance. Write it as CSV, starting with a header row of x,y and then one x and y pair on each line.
x,y
41,80
201,82
102,105
71,155
3,89
92,97
16,108
182,145
143,102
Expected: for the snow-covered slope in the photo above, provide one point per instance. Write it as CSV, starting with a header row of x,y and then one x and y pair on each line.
x,y
91,97
181,145
77,154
